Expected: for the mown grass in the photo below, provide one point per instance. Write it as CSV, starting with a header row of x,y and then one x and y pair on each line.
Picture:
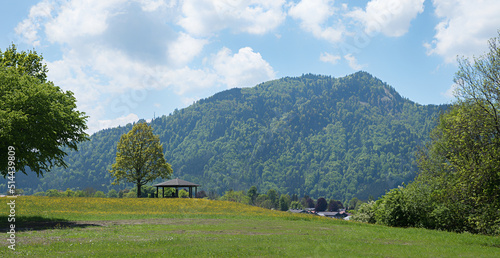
x,y
203,228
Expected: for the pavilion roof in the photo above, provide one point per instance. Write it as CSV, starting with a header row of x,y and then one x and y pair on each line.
x,y
176,182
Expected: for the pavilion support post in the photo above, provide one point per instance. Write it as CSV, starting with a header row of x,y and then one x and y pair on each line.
x,y
157,192
195,191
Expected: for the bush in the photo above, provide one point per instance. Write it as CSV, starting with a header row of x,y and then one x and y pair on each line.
x,y
365,213
236,196
99,194
54,193
112,194
295,205
183,194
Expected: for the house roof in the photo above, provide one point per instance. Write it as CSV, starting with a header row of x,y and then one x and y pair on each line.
x,y
176,182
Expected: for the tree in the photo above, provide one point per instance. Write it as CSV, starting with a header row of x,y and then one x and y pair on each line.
x,y
321,204
252,194
139,158
37,118
284,202
462,161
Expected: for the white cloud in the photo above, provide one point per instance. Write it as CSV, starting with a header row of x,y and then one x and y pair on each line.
x,y
465,28
205,17
353,62
78,19
313,16
391,17
329,58
245,68
450,93
28,28
184,49
120,121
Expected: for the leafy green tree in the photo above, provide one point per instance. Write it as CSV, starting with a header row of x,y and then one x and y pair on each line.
x,y
139,158
273,197
100,194
460,167
295,205
236,196
183,194
252,194
112,194
284,202
37,118
69,193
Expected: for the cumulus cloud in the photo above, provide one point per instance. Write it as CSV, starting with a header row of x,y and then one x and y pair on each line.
x,y
353,62
313,16
205,17
329,58
123,120
245,68
184,49
391,17
465,28
28,28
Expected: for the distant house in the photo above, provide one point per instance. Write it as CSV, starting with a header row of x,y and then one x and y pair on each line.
x,y
297,211
329,214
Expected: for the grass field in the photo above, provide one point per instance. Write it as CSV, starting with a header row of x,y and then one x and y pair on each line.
x,y
101,227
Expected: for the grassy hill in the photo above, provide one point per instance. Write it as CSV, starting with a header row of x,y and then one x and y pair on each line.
x,y
317,135
99,227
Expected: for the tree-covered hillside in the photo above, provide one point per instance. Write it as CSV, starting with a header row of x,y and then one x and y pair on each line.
x,y
316,135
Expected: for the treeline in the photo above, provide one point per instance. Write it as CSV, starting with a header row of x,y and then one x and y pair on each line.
x,y
311,135
458,185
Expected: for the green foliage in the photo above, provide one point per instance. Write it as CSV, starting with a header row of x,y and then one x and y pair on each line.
x,y
295,205
236,196
284,202
37,118
183,194
100,194
53,193
252,194
366,213
112,193
139,158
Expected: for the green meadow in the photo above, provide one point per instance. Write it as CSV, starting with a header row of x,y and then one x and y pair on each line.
x,y
104,227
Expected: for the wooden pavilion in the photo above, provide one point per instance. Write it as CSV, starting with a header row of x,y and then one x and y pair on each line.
x,y
177,183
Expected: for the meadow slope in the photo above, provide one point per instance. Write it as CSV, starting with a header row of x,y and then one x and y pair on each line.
x,y
101,227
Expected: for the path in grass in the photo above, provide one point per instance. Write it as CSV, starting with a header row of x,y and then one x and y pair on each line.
x,y
222,229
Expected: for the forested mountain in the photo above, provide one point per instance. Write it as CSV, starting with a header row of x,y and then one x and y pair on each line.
x,y
316,135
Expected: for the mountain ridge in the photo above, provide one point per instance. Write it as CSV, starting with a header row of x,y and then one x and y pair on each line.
x,y
346,137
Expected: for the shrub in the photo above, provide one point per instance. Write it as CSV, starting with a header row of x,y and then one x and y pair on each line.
x,y
54,193
99,194
365,213
295,205
183,194
112,194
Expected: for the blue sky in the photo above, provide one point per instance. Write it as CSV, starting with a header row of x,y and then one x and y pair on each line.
x,y
127,60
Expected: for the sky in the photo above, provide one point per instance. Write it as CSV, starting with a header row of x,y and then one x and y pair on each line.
x,y
139,59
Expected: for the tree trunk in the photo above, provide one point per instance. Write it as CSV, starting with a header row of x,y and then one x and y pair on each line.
x,y
139,189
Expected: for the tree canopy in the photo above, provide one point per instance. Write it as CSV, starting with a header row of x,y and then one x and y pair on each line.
x,y
139,157
37,118
458,185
